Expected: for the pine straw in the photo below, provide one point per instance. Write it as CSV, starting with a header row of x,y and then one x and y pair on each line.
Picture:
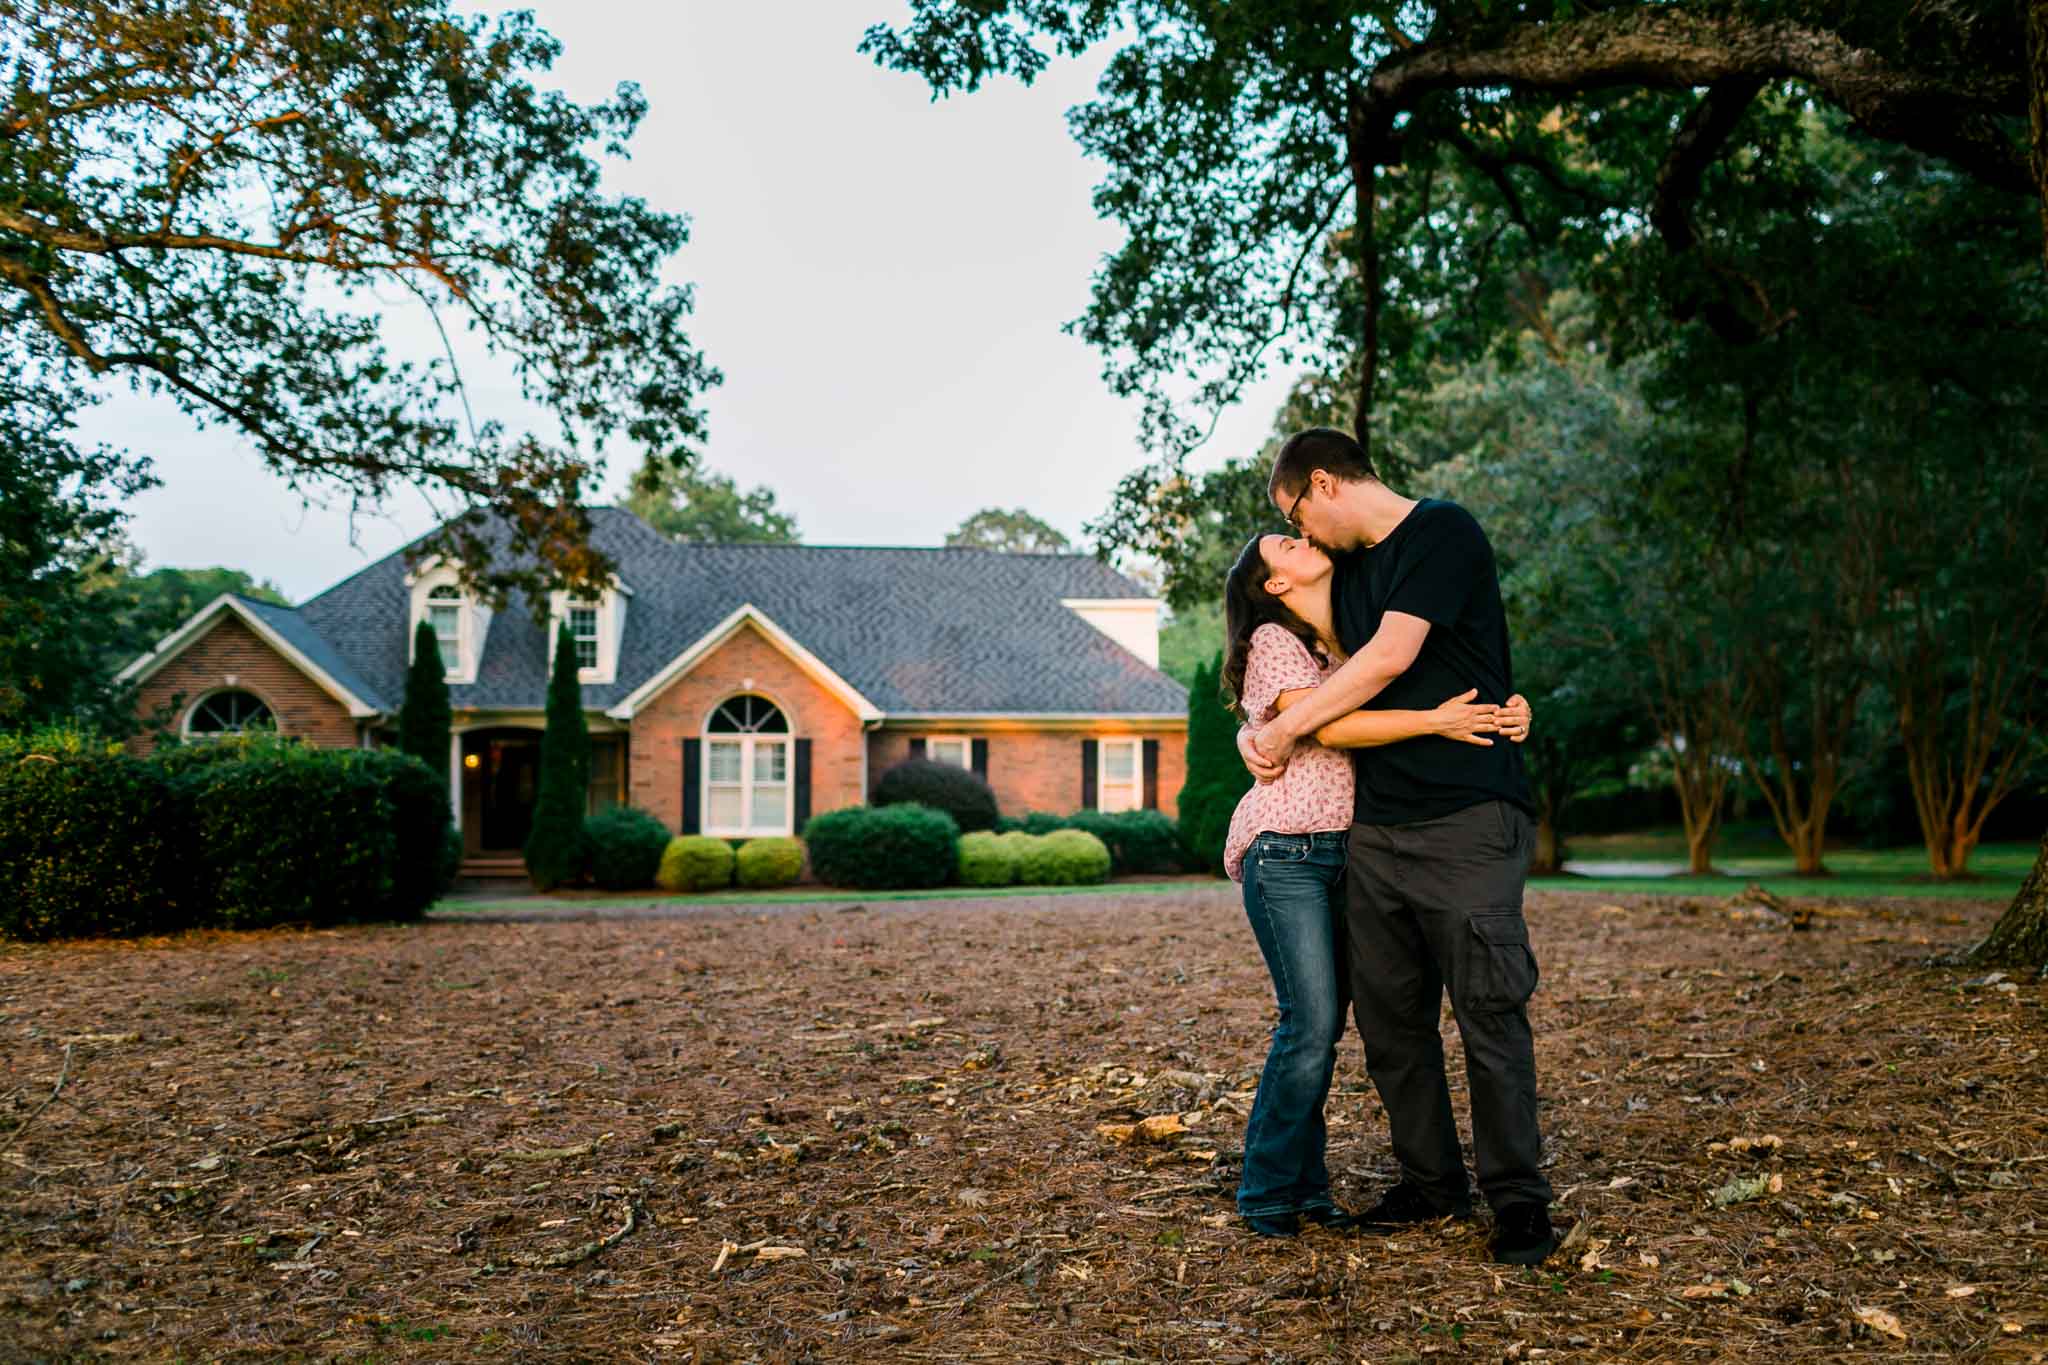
x,y
610,1139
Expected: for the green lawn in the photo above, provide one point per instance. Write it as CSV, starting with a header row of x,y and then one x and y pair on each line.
x,y
633,900
1749,853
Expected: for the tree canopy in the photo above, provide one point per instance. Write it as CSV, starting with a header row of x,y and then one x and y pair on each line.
x,y
211,200
1014,532
695,504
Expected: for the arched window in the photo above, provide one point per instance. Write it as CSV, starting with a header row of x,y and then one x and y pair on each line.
x,y
228,713
444,613
746,769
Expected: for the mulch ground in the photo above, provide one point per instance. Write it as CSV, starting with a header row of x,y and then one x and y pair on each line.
x,y
830,1134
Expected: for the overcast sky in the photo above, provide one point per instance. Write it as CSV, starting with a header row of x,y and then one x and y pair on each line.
x,y
882,280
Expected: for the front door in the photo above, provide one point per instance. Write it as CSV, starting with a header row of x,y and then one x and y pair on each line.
x,y
509,773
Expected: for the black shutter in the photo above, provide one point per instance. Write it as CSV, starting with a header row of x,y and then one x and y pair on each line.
x,y
981,759
693,787
1088,747
1151,774
917,748
802,794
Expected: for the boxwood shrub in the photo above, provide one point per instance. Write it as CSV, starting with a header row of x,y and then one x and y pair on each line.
x,y
962,794
1065,857
876,848
626,848
987,859
1139,841
770,862
90,841
695,862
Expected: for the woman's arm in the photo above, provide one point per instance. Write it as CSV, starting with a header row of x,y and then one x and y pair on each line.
x,y
1460,719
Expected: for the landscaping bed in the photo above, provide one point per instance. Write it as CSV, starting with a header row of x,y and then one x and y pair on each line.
x,y
816,1133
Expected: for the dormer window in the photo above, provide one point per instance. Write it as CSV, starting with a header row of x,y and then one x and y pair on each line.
x,y
444,613
583,630
595,625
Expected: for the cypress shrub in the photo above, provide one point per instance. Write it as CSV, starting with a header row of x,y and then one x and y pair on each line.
x,y
962,794
987,859
626,848
695,862
769,862
90,840
1216,778
877,848
555,850
425,720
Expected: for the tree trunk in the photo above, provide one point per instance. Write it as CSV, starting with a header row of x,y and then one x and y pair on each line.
x,y
1549,859
1699,844
2020,938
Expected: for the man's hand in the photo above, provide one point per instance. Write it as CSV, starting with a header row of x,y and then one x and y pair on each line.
x,y
1265,765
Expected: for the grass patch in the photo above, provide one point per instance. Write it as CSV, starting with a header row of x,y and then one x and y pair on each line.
x,y
816,895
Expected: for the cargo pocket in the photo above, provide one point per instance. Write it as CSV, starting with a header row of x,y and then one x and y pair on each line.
x,y
1499,970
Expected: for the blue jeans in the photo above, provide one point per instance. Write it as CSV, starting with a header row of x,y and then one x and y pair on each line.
x,y
1294,898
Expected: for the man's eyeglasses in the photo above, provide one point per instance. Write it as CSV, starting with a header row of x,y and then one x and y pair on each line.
x,y
1294,512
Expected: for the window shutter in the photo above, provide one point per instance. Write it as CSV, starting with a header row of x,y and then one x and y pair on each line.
x,y
802,794
1088,749
1151,801
981,759
693,786
917,748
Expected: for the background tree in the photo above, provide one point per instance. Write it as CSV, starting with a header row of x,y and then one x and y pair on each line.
x,y
425,720
1216,775
554,845
1014,532
698,506
152,603
194,198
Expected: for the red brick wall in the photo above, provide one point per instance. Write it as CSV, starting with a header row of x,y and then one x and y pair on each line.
x,y
1041,769
655,762
302,708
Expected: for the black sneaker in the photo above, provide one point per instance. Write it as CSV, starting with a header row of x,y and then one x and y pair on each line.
x,y
1402,1206
1522,1234
1273,1224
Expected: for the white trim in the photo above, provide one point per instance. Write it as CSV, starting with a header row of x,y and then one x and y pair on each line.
x,y
185,730
1037,720
168,648
472,617
1136,744
1132,622
748,742
965,742
610,607
746,615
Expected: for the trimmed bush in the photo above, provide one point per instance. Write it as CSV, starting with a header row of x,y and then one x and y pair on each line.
x,y
1066,857
879,848
941,786
1031,822
90,841
695,862
1139,841
421,827
626,848
987,859
769,862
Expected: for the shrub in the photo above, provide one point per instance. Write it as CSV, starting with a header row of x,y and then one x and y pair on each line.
x,y
1216,773
281,833
987,859
1031,822
959,793
555,849
770,862
875,848
626,848
1139,841
421,825
1066,857
89,840
695,862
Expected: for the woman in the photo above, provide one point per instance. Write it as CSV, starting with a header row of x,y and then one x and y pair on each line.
x,y
1286,845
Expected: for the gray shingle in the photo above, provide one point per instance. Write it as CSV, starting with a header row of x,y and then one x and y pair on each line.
x,y
287,622
913,630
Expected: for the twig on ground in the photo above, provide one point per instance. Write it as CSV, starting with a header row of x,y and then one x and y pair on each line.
x,y
63,1074
576,1255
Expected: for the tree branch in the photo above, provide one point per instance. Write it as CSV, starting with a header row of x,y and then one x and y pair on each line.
x,y
1698,145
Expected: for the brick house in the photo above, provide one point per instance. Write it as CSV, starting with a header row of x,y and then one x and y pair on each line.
x,y
730,689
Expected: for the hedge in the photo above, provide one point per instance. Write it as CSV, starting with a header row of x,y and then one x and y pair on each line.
x,y
1066,857
771,862
626,847
1140,842
695,862
90,841
987,859
962,794
878,848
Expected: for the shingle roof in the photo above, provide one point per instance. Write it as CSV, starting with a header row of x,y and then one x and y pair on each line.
x,y
287,622
913,630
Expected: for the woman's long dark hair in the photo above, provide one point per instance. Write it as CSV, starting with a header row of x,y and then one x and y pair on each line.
x,y
1247,606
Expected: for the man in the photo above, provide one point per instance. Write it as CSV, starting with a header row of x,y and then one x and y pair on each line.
x,y
1440,838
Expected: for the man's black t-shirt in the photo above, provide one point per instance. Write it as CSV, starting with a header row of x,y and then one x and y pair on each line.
x,y
1438,565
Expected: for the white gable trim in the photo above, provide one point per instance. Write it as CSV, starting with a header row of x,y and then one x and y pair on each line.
x,y
175,643
747,615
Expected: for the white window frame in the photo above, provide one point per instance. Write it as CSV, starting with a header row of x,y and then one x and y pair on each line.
x,y
965,742
1136,786
471,616
595,637
459,606
208,736
749,744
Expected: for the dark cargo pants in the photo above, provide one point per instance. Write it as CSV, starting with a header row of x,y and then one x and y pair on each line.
x,y
1433,905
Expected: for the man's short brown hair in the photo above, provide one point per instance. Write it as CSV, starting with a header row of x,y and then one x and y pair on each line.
x,y
1316,448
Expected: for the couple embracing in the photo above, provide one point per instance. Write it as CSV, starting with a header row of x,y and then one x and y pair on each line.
x,y
1384,847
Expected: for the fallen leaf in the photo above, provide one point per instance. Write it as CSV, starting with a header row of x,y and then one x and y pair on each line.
x,y
1961,1291
1704,1291
1877,1320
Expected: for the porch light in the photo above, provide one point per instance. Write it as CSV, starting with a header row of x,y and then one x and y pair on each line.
x,y
472,761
